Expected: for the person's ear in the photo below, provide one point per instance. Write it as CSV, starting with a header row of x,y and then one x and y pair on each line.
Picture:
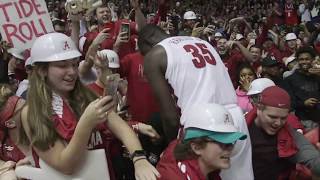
x,y
196,148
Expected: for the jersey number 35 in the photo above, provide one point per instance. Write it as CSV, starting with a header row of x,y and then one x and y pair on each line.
x,y
201,54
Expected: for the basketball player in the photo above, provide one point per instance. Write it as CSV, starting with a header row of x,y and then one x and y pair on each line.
x,y
196,74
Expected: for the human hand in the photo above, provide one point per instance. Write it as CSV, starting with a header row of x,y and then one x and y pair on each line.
x,y
103,35
197,31
148,131
121,38
245,83
264,54
135,4
144,170
97,111
311,102
209,30
24,161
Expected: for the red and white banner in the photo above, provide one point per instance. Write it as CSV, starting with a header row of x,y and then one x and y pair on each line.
x,y
22,21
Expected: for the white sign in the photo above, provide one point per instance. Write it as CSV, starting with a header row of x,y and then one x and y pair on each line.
x,y
22,21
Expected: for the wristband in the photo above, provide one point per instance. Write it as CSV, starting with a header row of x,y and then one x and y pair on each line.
x,y
139,159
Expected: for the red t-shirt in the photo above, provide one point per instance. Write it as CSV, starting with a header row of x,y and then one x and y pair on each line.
x,y
170,168
115,28
291,16
232,63
141,100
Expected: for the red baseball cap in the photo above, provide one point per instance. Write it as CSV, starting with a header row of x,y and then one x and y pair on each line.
x,y
276,97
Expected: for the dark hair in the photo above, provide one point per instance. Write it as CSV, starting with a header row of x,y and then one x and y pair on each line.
x,y
306,49
244,66
183,150
149,36
256,46
58,22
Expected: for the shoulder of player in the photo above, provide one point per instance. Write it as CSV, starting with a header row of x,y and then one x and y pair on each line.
x,y
157,52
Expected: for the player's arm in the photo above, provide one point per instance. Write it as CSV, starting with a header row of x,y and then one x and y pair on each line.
x,y
155,64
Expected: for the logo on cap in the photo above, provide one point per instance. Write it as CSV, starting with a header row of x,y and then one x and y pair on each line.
x,y
66,46
227,119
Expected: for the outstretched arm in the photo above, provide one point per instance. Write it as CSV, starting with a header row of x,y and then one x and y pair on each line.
x,y
155,64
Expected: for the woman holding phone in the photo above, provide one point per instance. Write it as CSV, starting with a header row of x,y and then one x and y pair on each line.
x,y
62,118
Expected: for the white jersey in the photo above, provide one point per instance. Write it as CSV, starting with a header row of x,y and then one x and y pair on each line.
x,y
196,72
197,75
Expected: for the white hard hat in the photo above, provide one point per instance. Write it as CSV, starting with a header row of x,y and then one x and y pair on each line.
x,y
291,36
53,47
211,117
112,57
17,53
289,60
258,85
189,15
212,121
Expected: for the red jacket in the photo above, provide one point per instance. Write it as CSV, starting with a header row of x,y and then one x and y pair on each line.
x,y
169,168
286,145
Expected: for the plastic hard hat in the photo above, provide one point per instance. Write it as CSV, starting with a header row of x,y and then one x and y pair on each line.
x,y
189,15
17,53
291,36
112,57
208,116
53,47
258,85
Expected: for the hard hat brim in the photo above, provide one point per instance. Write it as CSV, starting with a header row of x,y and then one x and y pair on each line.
x,y
59,57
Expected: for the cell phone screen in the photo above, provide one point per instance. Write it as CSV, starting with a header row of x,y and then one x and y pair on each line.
x,y
125,27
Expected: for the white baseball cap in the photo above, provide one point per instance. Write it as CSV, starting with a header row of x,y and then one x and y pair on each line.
x,y
258,85
239,37
28,62
291,36
17,53
111,56
189,15
218,34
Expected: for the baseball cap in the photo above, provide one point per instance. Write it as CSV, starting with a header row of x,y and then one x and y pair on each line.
x,y
290,36
239,37
258,85
269,61
275,96
217,34
17,53
289,60
225,138
189,15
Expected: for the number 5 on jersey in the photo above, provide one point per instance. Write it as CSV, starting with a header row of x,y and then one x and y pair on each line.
x,y
201,54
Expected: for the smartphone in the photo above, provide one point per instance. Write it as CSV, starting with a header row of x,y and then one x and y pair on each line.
x,y
112,84
125,27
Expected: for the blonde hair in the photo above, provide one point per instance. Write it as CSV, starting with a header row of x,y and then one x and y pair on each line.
x,y
39,101
5,93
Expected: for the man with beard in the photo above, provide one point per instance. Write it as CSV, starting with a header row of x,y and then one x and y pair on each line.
x,y
232,58
304,88
121,42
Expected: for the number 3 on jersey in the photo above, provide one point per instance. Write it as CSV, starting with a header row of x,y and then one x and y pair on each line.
x,y
201,54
